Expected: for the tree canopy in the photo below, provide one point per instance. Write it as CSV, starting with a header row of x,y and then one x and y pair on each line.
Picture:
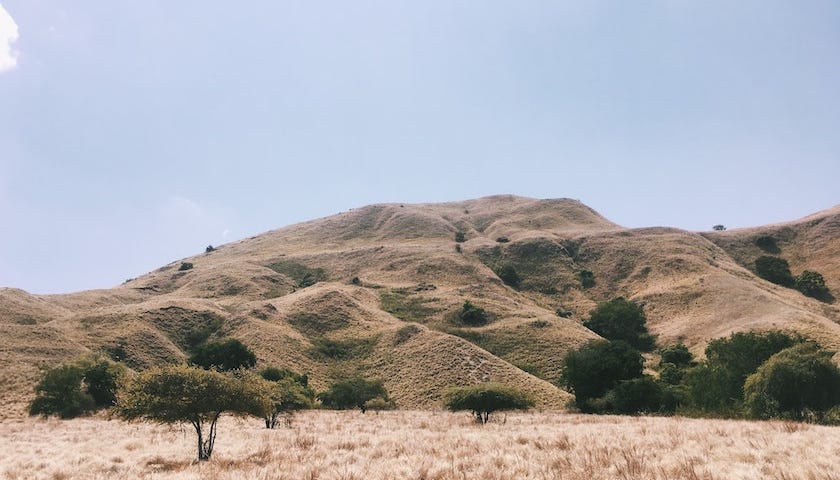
x,y
621,319
596,367
182,394
353,393
225,355
486,398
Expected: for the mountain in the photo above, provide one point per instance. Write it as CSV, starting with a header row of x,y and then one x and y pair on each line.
x,y
376,291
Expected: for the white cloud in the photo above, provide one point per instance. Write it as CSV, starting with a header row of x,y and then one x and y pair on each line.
x,y
8,36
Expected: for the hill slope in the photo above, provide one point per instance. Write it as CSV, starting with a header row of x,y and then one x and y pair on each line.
x,y
376,290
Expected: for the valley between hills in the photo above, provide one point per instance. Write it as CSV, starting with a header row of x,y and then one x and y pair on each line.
x,y
375,292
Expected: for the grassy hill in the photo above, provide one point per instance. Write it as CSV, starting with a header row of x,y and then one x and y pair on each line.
x,y
375,291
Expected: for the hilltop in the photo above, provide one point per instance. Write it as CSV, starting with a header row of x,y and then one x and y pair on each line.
x,y
376,290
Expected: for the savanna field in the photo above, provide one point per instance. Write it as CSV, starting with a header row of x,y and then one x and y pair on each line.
x,y
425,445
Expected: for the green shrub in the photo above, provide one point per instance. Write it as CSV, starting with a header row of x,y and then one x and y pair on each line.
x,y
637,395
796,383
718,228
767,243
486,398
344,349
590,371
460,237
507,273
620,319
775,270
670,374
587,279
185,266
472,315
677,354
286,395
353,393
502,239
60,393
812,284
230,354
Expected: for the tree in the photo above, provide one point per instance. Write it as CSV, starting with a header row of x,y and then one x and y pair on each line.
x,y
353,393
472,315
508,274
717,384
637,395
590,371
225,355
77,388
286,396
812,284
677,354
775,270
621,319
60,393
793,383
486,398
460,236
182,394
718,228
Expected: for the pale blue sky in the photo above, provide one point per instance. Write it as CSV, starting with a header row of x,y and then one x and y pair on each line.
x,y
134,133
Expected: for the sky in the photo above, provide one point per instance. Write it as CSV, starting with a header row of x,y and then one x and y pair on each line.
x,y
135,133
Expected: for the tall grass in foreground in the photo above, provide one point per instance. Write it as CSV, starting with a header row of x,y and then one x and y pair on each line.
x,y
425,445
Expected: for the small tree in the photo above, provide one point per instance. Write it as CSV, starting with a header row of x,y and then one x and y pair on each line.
x,y
587,279
621,319
472,315
486,398
775,270
638,395
677,354
596,367
224,355
507,273
812,284
60,393
793,383
353,393
77,388
181,394
287,396
185,266
460,236
718,228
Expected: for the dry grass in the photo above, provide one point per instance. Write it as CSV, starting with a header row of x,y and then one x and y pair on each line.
x,y
426,445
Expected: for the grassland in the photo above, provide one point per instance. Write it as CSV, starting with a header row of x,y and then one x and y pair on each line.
x,y
425,445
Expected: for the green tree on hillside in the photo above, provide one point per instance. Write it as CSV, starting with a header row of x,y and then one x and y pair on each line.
x,y
353,393
812,284
182,394
621,319
775,270
795,383
77,388
225,355
590,371
486,398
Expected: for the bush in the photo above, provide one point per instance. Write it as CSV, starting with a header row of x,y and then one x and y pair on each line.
x,y
620,319
775,270
794,383
509,275
286,395
60,393
671,374
718,228
460,237
185,266
209,249
78,388
638,395
353,393
484,399
678,355
502,239
812,284
590,371
587,279
472,315
767,244
224,355
717,384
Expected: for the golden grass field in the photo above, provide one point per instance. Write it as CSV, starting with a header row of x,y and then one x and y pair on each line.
x,y
425,445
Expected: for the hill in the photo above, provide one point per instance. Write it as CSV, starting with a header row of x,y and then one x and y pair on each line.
x,y
376,291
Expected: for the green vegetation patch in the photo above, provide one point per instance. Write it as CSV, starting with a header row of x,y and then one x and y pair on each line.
x,y
403,305
349,349
302,275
